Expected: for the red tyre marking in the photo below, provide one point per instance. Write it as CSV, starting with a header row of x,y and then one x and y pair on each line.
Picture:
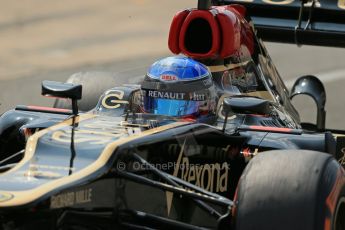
x,y
331,200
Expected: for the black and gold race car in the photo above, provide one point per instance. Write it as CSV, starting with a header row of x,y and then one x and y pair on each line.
x,y
108,165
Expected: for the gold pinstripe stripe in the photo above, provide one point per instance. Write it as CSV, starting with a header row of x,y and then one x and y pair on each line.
x,y
32,141
24,197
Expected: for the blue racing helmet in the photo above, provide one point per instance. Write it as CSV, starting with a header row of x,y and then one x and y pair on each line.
x,y
178,86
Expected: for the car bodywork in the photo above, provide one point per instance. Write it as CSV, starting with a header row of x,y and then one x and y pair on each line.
x,y
114,167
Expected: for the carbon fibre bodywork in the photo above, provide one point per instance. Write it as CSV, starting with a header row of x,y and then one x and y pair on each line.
x,y
60,182
115,167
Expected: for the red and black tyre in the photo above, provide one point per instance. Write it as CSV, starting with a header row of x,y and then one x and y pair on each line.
x,y
292,189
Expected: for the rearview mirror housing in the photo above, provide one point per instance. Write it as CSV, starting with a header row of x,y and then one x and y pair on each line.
x,y
63,90
245,105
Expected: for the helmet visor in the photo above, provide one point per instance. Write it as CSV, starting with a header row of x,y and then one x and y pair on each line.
x,y
170,107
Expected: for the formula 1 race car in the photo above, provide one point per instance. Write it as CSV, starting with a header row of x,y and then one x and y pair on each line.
x,y
112,164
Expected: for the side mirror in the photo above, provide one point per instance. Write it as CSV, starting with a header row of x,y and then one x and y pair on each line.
x,y
313,87
245,105
63,90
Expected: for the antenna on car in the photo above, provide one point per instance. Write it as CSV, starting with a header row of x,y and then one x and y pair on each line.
x,y
204,4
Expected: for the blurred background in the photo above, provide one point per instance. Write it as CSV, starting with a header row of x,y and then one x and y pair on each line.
x,y
50,40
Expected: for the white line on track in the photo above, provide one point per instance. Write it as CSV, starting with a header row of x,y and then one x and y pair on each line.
x,y
325,77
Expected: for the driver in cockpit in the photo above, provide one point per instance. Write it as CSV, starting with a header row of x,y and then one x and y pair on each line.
x,y
179,87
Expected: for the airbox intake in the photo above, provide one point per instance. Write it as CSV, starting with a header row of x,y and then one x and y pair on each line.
x,y
208,34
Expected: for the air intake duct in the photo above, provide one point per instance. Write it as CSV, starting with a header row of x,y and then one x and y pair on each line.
x,y
214,33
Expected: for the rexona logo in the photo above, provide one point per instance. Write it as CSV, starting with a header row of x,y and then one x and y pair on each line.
x,y
167,77
211,177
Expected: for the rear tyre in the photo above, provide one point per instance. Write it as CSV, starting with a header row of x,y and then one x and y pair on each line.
x,y
94,84
292,189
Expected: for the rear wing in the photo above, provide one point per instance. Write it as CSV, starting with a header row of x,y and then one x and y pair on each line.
x,y
318,22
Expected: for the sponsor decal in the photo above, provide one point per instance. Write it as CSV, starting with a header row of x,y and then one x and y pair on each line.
x,y
5,196
211,177
114,100
167,77
69,199
176,96
166,95
197,97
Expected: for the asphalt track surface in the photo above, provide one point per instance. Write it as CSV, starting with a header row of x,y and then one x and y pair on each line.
x,y
50,40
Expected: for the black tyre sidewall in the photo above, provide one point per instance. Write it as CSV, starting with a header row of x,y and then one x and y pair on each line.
x,y
287,190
